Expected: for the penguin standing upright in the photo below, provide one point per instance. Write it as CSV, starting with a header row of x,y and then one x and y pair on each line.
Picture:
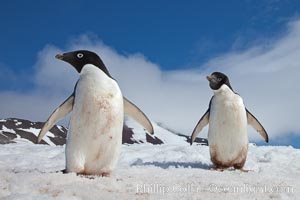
x,y
95,129
227,118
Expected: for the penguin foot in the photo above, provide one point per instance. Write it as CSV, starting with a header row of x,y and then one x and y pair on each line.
x,y
219,169
93,176
245,170
106,174
64,171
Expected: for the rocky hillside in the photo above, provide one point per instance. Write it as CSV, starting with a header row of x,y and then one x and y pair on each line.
x,y
13,130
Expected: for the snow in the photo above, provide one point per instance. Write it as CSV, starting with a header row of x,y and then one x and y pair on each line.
x,y
5,129
145,171
166,136
18,123
60,128
139,132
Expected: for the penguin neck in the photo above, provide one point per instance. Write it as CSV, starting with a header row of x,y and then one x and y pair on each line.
x,y
92,69
224,90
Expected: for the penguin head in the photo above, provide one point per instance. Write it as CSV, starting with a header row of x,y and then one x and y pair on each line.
x,y
78,59
217,79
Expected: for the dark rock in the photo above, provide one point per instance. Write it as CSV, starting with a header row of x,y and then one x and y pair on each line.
x,y
127,137
201,141
28,135
153,140
5,140
9,136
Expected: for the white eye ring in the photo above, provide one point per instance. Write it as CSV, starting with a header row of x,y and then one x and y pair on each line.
x,y
219,79
79,55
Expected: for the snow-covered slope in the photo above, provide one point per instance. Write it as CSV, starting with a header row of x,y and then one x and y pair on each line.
x,y
145,171
13,130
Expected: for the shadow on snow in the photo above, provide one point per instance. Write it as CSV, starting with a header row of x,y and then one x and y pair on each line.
x,y
166,165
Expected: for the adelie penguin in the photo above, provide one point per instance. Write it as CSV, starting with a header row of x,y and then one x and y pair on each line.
x,y
95,130
227,117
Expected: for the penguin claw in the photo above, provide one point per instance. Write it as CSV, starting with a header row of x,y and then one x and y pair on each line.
x,y
219,169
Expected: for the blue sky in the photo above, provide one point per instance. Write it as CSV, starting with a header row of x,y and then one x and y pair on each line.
x,y
174,34
172,38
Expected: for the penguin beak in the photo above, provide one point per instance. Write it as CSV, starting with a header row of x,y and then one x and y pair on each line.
x,y
209,78
59,56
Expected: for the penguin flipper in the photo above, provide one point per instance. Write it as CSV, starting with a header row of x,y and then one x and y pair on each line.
x,y
58,114
138,115
257,125
202,122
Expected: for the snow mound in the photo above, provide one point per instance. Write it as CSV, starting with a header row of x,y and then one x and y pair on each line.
x,y
146,171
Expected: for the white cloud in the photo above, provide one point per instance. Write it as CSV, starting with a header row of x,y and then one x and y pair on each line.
x,y
266,76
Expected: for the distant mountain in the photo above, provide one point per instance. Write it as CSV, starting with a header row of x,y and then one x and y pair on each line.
x,y
13,130
201,141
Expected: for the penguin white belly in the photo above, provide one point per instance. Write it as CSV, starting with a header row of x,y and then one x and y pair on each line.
x,y
227,134
95,131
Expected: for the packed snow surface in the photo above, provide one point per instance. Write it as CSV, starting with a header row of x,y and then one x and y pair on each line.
x,y
145,171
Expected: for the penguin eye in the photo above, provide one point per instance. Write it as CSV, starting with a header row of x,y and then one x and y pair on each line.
x,y
79,55
219,79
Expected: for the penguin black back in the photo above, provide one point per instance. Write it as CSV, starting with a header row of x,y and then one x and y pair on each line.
x,y
78,59
217,79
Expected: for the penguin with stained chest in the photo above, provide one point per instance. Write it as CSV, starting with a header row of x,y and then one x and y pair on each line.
x,y
95,130
228,118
